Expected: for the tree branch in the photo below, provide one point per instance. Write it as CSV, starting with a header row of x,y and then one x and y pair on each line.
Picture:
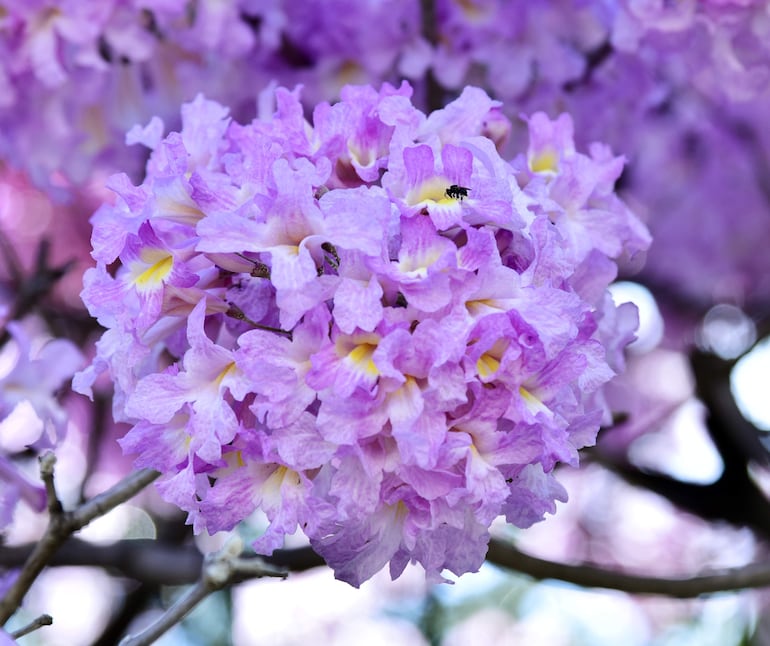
x,y
146,560
62,524
149,561
153,562
114,496
171,617
754,575
219,570
47,463
42,620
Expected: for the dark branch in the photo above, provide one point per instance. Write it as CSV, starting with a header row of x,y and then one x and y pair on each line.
x,y
157,563
42,620
755,575
30,290
150,561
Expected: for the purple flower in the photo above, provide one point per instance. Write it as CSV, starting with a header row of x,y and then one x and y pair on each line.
x,y
208,372
371,326
31,377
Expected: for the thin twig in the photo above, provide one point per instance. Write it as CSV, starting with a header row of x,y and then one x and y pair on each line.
x,y
114,496
31,290
219,570
42,620
47,463
237,313
171,617
61,525
12,260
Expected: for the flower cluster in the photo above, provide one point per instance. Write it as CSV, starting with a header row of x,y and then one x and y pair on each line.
x,y
94,68
369,326
723,44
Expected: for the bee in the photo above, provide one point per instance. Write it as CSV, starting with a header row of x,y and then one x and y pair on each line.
x,y
457,192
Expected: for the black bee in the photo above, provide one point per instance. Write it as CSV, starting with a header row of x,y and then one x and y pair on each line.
x,y
457,192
